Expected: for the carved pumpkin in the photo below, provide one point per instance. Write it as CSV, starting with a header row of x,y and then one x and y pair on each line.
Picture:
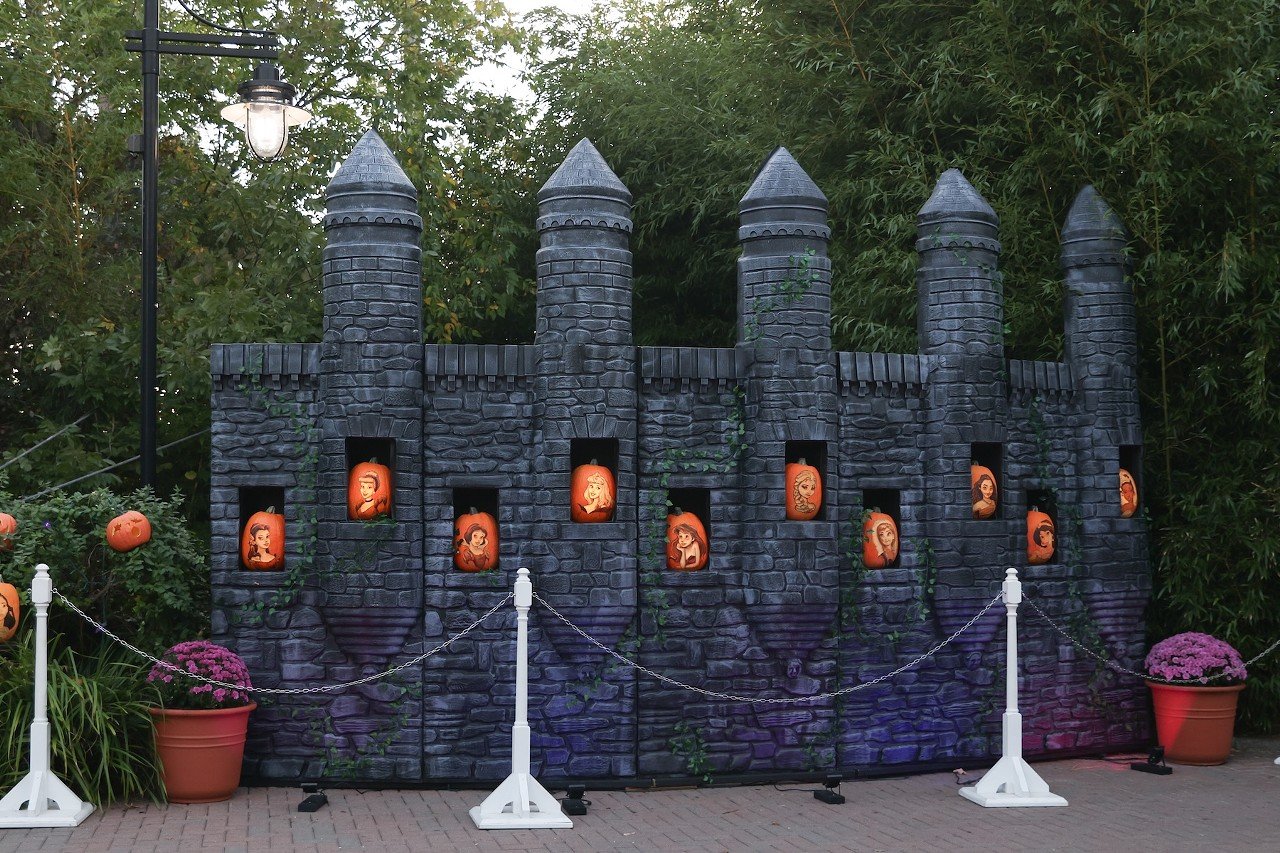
x,y
985,498
8,524
1128,494
879,541
804,491
262,541
8,611
128,531
475,542
369,491
592,492
686,542
1041,537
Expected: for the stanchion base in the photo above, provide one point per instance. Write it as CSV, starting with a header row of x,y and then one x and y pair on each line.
x,y
1012,784
67,809
520,802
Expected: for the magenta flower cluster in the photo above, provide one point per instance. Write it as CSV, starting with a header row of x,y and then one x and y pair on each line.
x,y
201,657
1196,657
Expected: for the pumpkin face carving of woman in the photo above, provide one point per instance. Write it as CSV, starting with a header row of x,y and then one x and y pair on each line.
x,y
804,491
592,493
983,491
368,491
879,541
1128,494
8,611
686,542
475,541
1041,537
260,544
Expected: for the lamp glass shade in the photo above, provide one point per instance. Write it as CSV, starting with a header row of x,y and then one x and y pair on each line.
x,y
266,125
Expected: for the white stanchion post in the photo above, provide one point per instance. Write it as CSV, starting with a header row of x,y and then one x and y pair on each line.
x,y
520,802
1011,783
41,799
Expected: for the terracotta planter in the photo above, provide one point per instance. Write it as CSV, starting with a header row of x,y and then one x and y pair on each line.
x,y
201,751
1195,724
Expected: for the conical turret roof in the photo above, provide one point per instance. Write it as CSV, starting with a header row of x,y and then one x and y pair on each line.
x,y
584,172
1091,217
954,197
781,182
371,166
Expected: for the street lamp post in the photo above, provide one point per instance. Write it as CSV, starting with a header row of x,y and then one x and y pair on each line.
x,y
266,112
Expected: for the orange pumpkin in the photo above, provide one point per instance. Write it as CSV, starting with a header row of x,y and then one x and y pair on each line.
x,y
686,542
128,531
592,493
879,541
804,491
8,524
1041,537
369,491
985,496
475,542
262,541
1128,494
8,611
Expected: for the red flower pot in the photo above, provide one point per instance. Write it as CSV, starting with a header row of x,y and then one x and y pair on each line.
x,y
1195,724
201,752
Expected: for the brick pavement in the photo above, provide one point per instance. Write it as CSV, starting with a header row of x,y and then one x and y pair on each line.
x,y
1227,808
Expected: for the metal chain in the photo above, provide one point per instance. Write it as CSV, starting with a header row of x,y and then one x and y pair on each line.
x,y
1112,665
776,700
281,691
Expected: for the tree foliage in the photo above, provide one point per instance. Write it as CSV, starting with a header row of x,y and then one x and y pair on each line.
x,y
1168,109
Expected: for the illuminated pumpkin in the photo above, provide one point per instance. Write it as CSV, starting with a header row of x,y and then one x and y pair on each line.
x,y
369,491
686,542
475,542
8,524
591,491
128,531
262,541
1041,537
983,484
1128,494
879,541
8,611
804,491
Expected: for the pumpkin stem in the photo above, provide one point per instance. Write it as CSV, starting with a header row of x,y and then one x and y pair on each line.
x,y
802,462
593,461
271,510
1035,509
675,510
373,460
474,510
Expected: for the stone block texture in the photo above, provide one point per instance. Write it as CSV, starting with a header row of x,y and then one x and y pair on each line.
x,y
785,610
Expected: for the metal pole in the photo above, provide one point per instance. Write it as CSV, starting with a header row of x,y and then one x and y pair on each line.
x,y
150,204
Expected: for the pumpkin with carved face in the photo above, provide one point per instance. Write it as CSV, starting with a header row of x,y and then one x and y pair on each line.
x,y
1128,494
591,493
984,492
369,491
804,491
128,531
8,611
262,541
8,525
1041,537
475,541
879,541
686,541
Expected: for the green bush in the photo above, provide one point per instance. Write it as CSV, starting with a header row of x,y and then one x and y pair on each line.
x,y
103,743
153,596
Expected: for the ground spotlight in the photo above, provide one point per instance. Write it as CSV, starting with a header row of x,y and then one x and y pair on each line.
x,y
1154,763
830,791
573,804
315,797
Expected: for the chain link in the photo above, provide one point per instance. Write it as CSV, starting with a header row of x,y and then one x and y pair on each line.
x,y
756,700
1116,667
284,691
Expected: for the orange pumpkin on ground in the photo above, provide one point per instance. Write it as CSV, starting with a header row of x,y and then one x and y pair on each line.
x,y
8,524
8,611
1128,494
985,497
879,541
686,542
369,491
262,541
804,491
1041,537
475,542
128,531
591,493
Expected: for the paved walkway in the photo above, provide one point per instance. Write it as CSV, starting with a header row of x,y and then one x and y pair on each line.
x,y
1235,807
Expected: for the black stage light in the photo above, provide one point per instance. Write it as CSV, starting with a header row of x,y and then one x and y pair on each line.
x,y
1154,763
315,797
830,793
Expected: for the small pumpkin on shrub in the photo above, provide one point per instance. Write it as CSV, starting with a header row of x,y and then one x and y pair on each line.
x,y
8,611
1128,494
984,491
475,541
879,541
369,491
8,525
1041,537
591,493
686,541
128,531
804,491
262,541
